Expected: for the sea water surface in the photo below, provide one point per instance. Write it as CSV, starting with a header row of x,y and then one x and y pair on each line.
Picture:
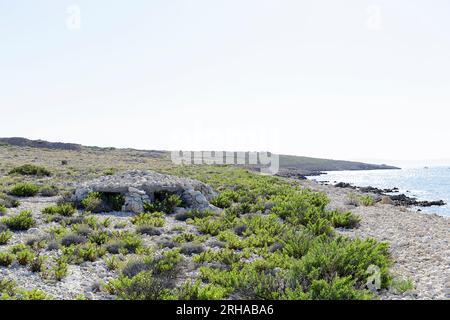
x,y
424,183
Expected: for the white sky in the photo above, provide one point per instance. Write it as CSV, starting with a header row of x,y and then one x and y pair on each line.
x,y
349,79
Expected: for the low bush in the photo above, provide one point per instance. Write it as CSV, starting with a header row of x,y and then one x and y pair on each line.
x,y
90,252
225,256
342,257
192,248
64,209
93,203
5,236
143,286
6,259
99,237
98,202
60,268
38,263
155,219
24,190
31,170
25,256
164,202
148,230
366,200
199,291
400,286
132,242
344,220
336,289
225,199
73,239
115,246
2,209
20,222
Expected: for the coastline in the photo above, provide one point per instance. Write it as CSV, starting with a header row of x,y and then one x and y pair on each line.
x,y
419,242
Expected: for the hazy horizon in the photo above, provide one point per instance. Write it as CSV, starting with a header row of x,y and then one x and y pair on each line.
x,y
366,80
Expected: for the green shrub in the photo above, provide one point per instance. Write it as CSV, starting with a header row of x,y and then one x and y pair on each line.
x,y
93,203
168,261
6,259
99,237
25,257
225,256
61,268
297,244
110,172
98,202
225,199
64,209
143,286
342,257
34,294
194,213
90,252
337,289
131,242
5,236
112,263
155,219
31,170
38,263
24,190
2,209
210,226
198,291
301,205
344,220
400,286
164,202
22,221
366,200
7,288
320,226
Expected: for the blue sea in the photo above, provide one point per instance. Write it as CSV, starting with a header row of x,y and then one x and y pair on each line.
x,y
424,183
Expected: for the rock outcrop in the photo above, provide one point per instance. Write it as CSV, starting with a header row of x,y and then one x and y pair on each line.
x,y
138,187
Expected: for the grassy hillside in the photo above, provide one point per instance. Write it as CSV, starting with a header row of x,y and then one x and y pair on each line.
x,y
317,164
303,165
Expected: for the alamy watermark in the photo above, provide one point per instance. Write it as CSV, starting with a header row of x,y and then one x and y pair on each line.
x,y
267,162
73,20
374,280
374,20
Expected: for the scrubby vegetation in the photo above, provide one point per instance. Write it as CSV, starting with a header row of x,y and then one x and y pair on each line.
x,y
278,242
64,209
10,291
22,221
31,170
164,202
98,202
24,190
357,200
272,240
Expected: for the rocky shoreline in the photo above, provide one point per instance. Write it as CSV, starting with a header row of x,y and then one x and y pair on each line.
x,y
397,198
419,242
